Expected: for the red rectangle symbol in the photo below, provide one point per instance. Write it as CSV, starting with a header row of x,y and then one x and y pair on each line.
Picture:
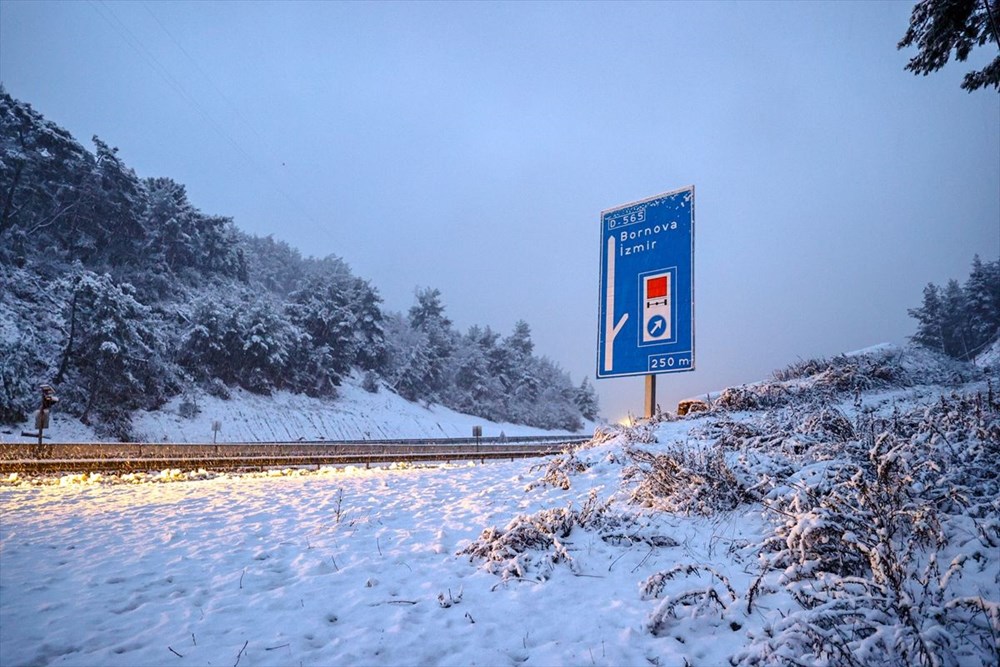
x,y
656,287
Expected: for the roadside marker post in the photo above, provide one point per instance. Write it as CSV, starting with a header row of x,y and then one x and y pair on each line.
x,y
646,290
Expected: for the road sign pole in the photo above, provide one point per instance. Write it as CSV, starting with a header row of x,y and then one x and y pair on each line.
x,y
650,396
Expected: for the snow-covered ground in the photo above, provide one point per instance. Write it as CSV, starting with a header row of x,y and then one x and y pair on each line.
x,y
355,415
846,511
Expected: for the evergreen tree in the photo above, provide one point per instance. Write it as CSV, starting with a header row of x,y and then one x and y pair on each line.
x,y
428,311
368,349
244,339
982,298
320,309
265,342
427,317
16,370
961,321
475,389
520,339
554,406
940,27
523,383
273,265
170,238
586,400
41,171
930,320
79,229
117,198
110,363
407,358
955,322
203,352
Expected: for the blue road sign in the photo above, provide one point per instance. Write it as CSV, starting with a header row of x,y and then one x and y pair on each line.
x,y
646,316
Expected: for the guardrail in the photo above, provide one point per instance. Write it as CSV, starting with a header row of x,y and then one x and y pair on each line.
x,y
79,457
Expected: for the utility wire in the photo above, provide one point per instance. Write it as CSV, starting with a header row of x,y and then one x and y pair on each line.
x,y
108,14
232,105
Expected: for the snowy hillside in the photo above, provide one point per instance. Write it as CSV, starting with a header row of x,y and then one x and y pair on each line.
x,y
844,512
284,416
990,358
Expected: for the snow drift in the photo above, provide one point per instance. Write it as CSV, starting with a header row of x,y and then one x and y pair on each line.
x,y
843,512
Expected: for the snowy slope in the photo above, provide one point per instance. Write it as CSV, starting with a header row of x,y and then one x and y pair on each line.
x,y
245,417
990,357
845,512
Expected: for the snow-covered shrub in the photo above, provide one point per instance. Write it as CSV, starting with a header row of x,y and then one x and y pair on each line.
x,y
857,543
850,519
861,373
188,407
828,422
729,434
536,542
742,398
961,438
683,481
512,551
507,550
856,621
877,367
558,471
801,369
217,388
819,377
708,593
370,382
116,425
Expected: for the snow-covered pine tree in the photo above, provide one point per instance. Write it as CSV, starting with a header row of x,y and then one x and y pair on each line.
x,y
427,316
273,265
41,171
554,406
473,388
961,321
407,358
524,385
955,322
118,200
939,27
340,314
367,333
111,362
982,299
319,308
586,400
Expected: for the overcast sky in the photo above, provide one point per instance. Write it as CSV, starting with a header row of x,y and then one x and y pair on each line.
x,y
472,146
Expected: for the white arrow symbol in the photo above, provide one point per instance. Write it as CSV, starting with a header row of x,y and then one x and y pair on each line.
x,y
610,328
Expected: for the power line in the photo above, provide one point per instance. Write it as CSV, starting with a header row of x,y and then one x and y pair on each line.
x,y
204,74
129,37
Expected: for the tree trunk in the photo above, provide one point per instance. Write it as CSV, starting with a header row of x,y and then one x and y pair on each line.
x,y
9,200
69,343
